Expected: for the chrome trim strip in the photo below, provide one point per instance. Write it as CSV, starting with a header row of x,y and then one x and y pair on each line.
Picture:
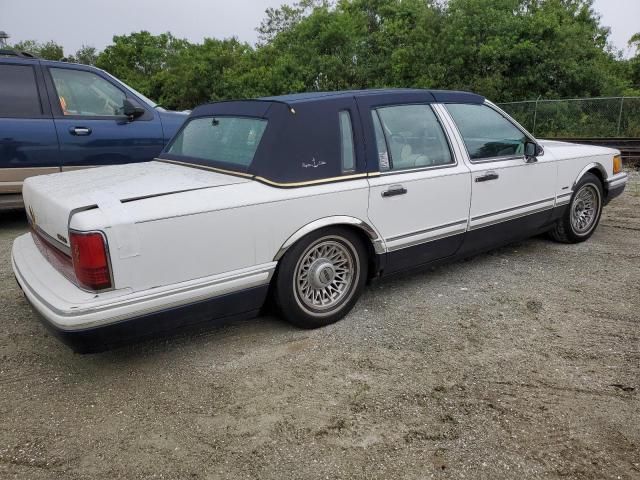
x,y
563,199
591,166
617,180
454,134
497,159
427,230
378,244
58,245
429,239
419,169
500,212
204,167
320,181
511,217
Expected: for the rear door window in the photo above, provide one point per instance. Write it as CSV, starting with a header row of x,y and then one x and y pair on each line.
x,y
19,95
229,140
408,137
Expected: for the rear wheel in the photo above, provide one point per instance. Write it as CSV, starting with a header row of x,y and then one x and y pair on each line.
x,y
583,215
321,277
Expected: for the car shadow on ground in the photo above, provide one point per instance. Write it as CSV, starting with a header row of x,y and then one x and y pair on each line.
x,y
13,219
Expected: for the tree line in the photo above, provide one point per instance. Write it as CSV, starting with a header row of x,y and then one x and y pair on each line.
x,y
507,50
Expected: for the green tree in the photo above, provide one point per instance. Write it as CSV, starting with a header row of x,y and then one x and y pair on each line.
x,y
199,73
137,58
634,64
48,51
86,55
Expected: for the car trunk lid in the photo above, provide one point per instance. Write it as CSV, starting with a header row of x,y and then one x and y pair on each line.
x,y
51,200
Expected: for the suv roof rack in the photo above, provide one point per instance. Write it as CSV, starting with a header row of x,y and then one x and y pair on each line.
x,y
15,53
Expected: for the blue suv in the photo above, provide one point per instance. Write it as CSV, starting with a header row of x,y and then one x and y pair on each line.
x,y
57,116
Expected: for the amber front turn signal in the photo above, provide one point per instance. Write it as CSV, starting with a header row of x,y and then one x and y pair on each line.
x,y
617,164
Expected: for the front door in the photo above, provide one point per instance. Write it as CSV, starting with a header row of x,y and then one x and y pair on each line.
x,y
91,125
511,198
420,201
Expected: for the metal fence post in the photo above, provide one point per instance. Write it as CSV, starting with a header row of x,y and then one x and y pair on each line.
x,y
620,116
535,115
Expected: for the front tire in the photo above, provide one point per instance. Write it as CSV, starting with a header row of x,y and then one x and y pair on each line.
x,y
583,214
321,277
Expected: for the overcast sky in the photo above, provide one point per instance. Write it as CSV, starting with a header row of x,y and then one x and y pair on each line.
x,y
73,23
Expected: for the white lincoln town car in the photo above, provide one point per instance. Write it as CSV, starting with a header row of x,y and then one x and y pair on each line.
x,y
301,199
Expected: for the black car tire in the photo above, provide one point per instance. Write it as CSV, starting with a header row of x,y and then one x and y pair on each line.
x,y
321,277
587,197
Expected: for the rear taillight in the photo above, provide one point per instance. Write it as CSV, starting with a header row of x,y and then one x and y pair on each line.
x,y
90,261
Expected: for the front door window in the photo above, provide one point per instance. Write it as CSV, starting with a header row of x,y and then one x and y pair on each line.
x,y
487,134
87,94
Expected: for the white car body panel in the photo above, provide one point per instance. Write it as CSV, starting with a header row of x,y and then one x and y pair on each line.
x,y
428,189
240,244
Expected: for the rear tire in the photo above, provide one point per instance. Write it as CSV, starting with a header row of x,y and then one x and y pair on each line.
x,y
583,214
321,277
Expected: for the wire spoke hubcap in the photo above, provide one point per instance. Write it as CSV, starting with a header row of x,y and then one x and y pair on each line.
x,y
325,275
585,209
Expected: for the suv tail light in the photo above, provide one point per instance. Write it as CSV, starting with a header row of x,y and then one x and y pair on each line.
x,y
90,261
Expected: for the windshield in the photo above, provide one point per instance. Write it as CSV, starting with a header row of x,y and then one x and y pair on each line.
x,y
232,141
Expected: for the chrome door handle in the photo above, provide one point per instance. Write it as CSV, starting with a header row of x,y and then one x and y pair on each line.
x,y
487,177
394,190
80,131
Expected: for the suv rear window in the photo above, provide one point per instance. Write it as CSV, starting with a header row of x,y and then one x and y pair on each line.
x,y
227,140
18,92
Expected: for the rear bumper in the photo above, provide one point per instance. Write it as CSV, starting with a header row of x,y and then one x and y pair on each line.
x,y
615,186
90,322
233,306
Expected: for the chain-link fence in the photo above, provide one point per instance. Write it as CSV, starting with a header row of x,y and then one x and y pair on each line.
x,y
613,117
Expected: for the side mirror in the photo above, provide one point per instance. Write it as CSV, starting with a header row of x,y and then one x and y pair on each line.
x,y
532,151
132,110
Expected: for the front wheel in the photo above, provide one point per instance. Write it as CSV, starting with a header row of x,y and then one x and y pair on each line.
x,y
583,215
321,277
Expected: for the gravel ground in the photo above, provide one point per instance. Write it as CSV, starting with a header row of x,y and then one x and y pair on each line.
x,y
520,363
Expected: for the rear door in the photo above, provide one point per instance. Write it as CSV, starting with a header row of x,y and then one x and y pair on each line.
x,y
419,197
28,141
92,128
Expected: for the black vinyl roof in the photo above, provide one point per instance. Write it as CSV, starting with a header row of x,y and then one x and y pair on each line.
x,y
259,106
302,143
437,95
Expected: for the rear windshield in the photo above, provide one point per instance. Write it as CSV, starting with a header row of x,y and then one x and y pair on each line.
x,y
231,141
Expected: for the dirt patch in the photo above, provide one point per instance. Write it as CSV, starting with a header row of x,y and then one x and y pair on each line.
x,y
520,363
